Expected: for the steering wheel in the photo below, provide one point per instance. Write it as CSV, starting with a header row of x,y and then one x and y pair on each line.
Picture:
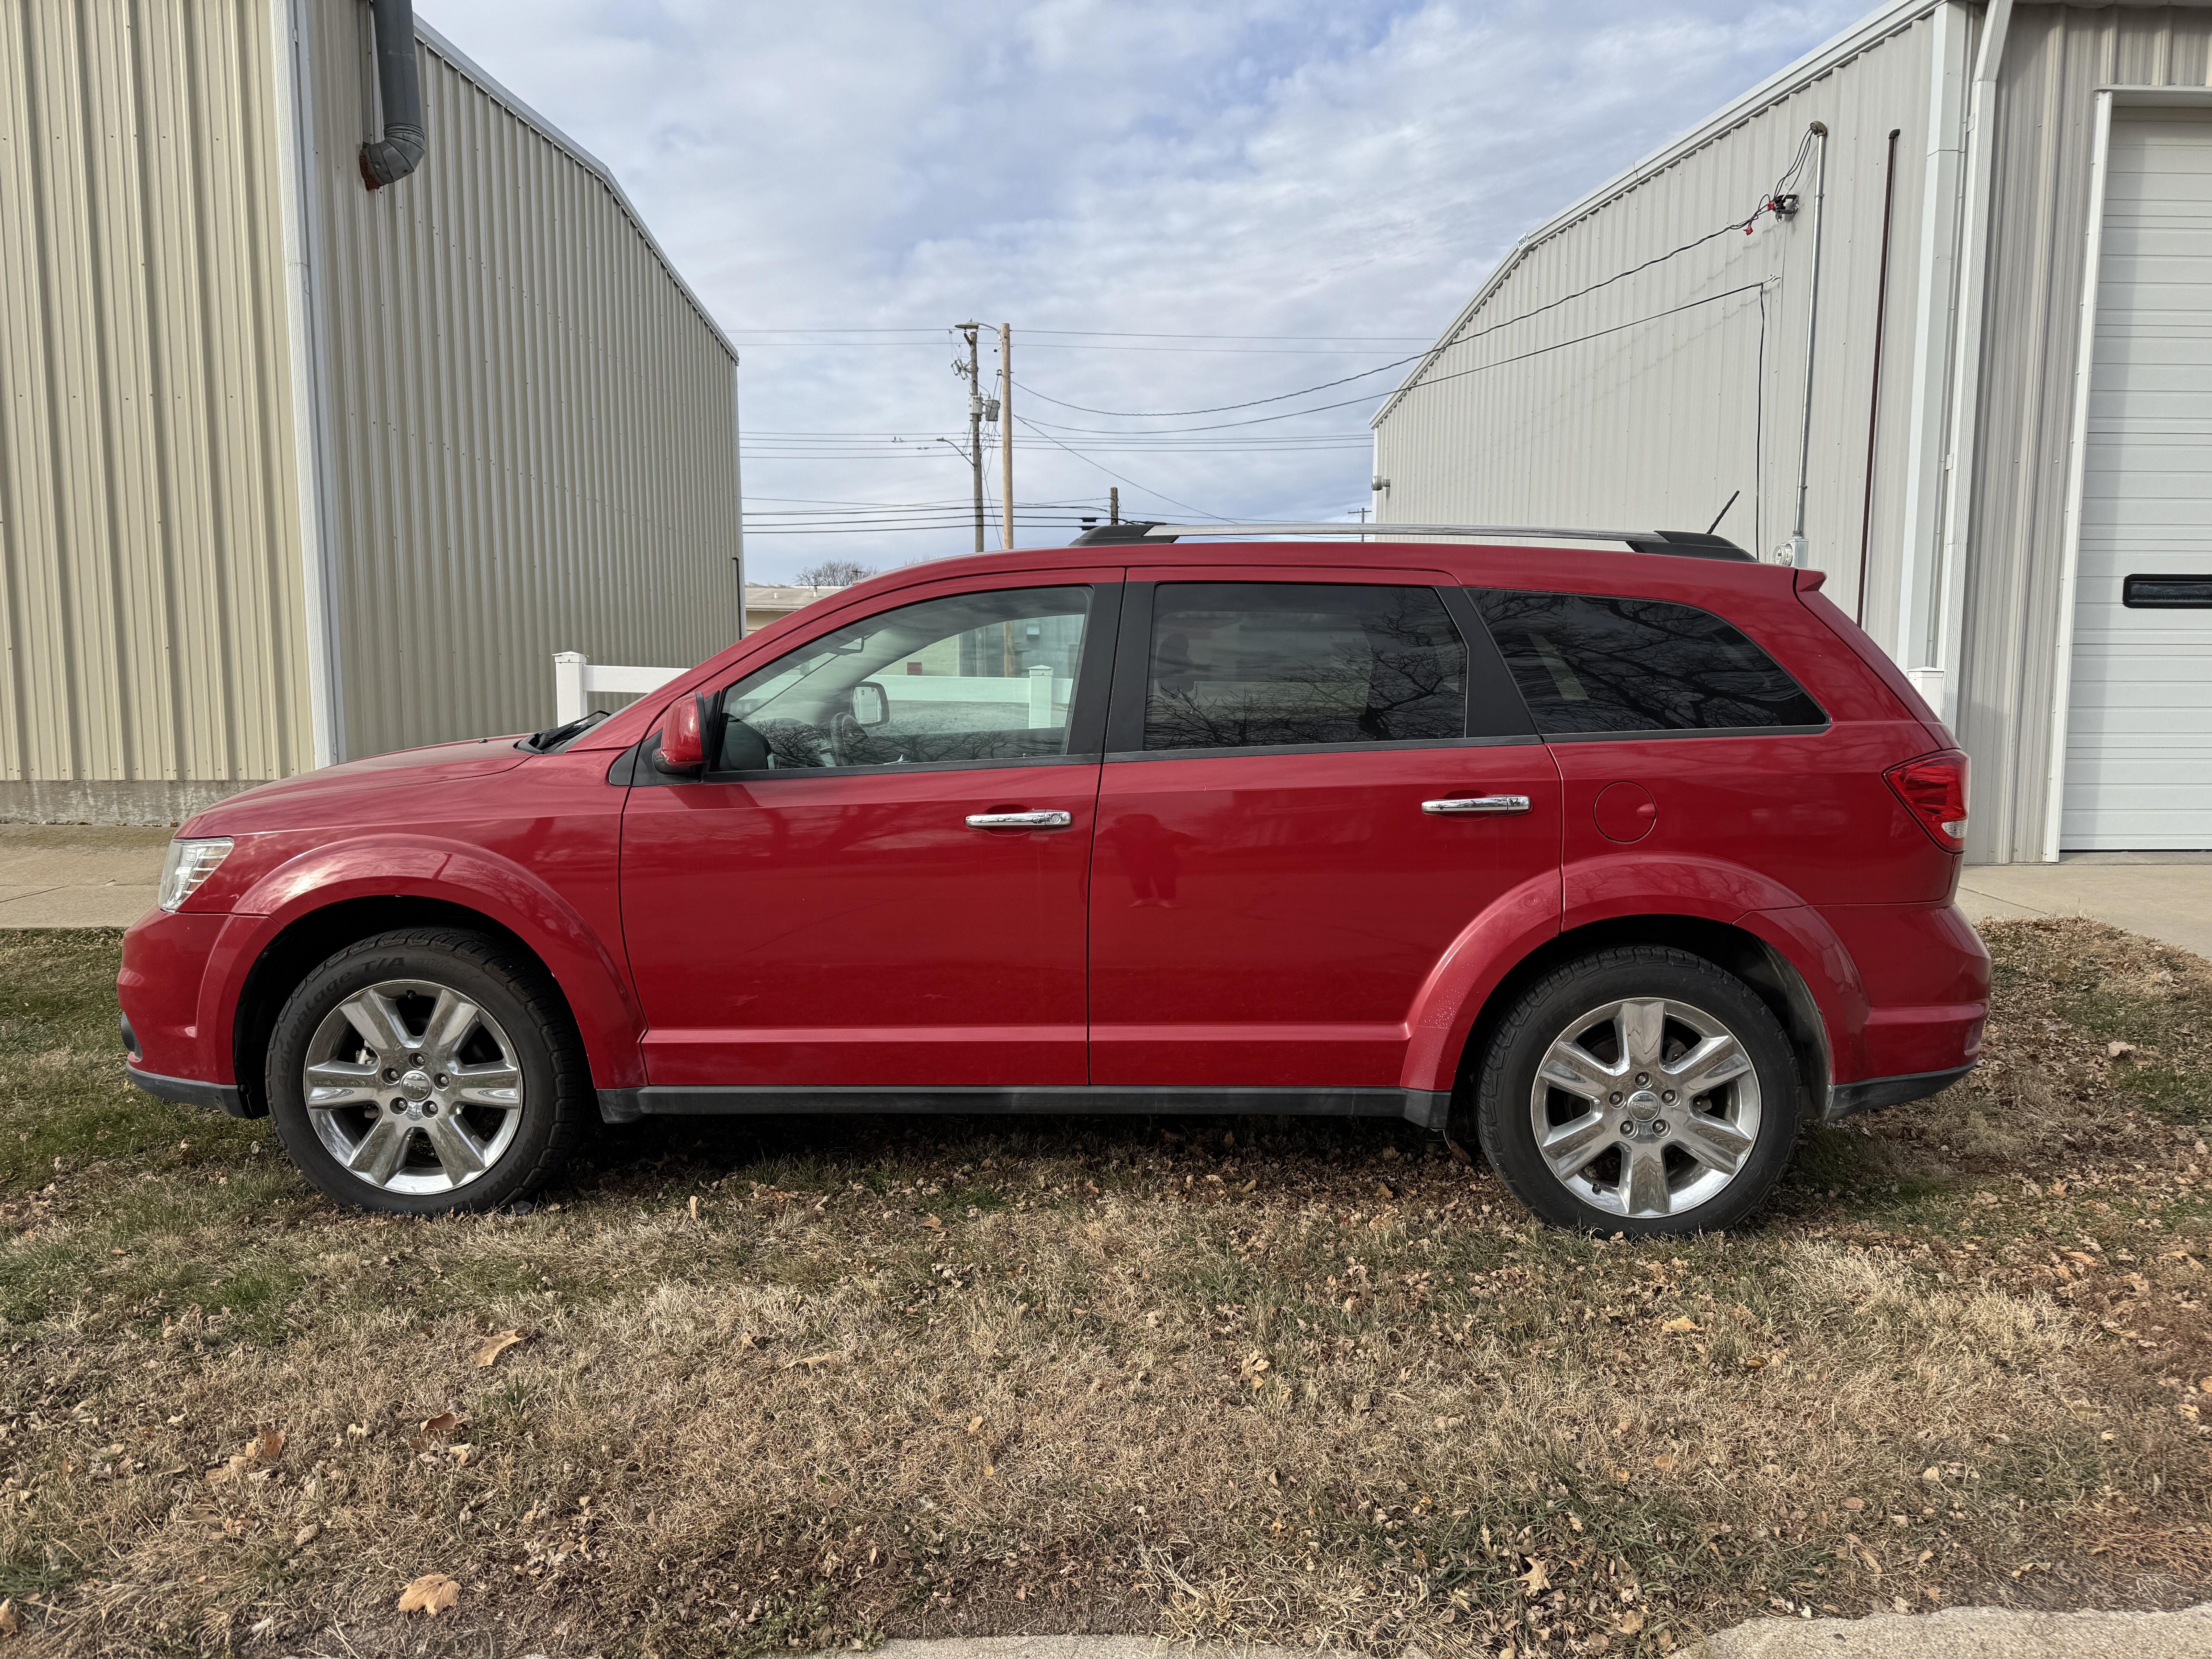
x,y
848,736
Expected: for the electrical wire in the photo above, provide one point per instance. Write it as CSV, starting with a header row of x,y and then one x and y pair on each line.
x,y
1111,473
1745,224
1439,379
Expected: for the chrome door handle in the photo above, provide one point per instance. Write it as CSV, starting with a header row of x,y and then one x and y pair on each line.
x,y
1020,820
1471,804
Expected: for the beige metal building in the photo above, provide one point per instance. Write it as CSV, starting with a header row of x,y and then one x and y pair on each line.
x,y
1969,377
293,470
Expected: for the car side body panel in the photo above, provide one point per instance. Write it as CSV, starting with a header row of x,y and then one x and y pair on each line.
x,y
534,849
1791,837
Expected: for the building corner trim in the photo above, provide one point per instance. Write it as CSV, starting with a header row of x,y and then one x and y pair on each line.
x,y
2069,552
737,478
1934,290
294,148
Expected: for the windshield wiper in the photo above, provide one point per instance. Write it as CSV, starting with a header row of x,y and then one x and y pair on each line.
x,y
546,742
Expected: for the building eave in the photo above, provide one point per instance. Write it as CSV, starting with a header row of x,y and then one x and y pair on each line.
x,y
1870,31
507,99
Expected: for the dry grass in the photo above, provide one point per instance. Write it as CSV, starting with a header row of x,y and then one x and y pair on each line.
x,y
1296,1383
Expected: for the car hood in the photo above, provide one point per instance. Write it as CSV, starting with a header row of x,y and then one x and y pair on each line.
x,y
333,791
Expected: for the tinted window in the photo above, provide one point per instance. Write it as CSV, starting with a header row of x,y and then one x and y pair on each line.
x,y
970,677
1244,665
1591,664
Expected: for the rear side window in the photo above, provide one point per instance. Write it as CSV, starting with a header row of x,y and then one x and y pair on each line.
x,y
1586,662
1270,665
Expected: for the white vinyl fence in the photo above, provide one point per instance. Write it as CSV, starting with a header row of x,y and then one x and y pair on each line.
x,y
575,679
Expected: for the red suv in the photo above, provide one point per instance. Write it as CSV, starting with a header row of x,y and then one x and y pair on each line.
x,y
1626,863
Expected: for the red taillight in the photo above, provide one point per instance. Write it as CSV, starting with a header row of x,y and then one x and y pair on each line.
x,y
1934,788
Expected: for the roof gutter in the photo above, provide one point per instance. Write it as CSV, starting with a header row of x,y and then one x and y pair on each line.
x,y
388,160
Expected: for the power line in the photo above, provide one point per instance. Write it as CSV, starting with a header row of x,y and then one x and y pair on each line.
x,y
1111,473
1112,334
1458,374
1767,206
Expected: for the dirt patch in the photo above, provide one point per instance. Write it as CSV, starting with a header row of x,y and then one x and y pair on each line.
x,y
806,1383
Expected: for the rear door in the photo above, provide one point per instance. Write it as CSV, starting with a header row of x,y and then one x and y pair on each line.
x,y
1276,874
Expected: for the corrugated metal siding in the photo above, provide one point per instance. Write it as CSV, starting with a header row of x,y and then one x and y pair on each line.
x,y
2058,55
529,429
1655,424
150,590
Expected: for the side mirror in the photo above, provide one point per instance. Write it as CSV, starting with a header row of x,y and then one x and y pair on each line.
x,y
683,747
871,704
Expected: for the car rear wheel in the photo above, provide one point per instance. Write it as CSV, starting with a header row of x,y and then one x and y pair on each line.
x,y
1640,1090
425,1070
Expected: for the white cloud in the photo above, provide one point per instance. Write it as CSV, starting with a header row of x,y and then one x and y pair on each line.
x,y
1261,167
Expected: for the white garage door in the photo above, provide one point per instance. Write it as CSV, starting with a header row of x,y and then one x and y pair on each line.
x,y
2139,734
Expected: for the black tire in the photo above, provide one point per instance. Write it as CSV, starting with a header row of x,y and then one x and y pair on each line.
x,y
1753,1117
521,1029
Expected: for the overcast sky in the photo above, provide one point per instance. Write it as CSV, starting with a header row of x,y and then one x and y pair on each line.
x,y
1175,206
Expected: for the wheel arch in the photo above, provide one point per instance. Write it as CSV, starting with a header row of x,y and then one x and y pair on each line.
x,y
319,935
1773,977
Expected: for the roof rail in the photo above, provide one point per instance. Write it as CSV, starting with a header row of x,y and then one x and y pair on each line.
x,y
1683,544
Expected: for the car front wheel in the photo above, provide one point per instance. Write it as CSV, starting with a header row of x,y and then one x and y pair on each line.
x,y
1640,1090
425,1070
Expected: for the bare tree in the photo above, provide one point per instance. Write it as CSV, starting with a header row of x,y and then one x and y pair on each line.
x,y
834,573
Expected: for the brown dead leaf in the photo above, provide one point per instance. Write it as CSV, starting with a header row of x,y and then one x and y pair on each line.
x,y
438,1427
1536,1580
488,1355
695,1206
1630,1622
10,1624
1664,1463
432,1593
2114,1050
933,1223
1684,1323
270,1445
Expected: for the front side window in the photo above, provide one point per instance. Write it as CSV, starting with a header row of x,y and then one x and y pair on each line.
x,y
971,677
1265,665
1588,662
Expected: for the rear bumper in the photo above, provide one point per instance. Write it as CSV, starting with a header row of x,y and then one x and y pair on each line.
x,y
1847,1099
189,1092
1925,979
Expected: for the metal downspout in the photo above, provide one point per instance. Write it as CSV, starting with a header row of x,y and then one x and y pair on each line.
x,y
388,160
1945,610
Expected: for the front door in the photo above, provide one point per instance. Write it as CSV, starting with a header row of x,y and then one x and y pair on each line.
x,y
1314,782
880,880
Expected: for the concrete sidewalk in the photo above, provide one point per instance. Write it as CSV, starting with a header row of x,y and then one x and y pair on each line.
x,y
77,875
2162,895
1955,1633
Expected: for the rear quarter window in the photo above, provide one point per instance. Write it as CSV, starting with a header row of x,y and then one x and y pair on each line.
x,y
1595,663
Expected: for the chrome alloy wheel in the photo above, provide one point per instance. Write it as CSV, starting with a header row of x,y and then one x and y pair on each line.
x,y
1645,1106
412,1087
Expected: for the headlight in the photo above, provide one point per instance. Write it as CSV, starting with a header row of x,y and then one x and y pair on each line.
x,y
190,863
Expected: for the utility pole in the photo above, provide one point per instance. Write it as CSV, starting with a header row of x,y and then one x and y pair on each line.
x,y
1114,505
972,370
1007,424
